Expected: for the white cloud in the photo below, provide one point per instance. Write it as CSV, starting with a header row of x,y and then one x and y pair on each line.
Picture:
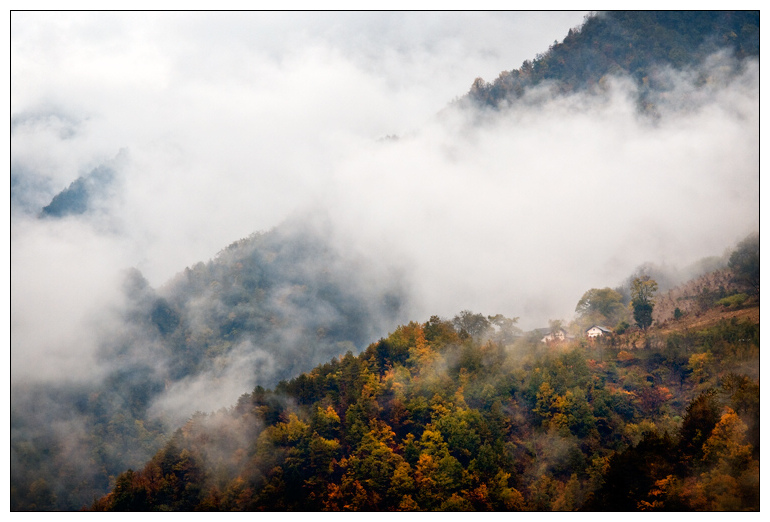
x,y
64,286
525,212
227,378
233,122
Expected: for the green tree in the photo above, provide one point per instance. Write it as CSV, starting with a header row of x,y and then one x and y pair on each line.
x,y
506,329
643,300
643,315
472,324
744,262
701,417
601,306
633,473
127,496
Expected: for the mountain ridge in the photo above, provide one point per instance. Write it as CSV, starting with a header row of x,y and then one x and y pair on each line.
x,y
630,43
432,419
212,322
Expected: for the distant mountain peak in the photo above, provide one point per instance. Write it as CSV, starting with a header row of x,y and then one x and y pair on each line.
x,y
630,43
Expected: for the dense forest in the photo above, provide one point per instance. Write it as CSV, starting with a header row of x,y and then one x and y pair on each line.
x,y
472,414
353,412
636,44
266,308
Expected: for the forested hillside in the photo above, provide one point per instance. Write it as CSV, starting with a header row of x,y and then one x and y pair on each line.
x,y
265,308
347,409
635,44
290,293
434,418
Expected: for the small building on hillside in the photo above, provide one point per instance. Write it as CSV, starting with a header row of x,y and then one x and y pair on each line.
x,y
550,336
597,331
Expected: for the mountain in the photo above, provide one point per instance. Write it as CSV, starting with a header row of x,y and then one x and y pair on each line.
x,y
289,294
634,44
434,415
432,418
266,308
81,194
29,191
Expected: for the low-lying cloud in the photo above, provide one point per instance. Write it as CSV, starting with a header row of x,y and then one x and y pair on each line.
x,y
217,125
523,212
232,124
228,377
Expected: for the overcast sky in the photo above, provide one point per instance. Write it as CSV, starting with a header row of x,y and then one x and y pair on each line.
x,y
222,124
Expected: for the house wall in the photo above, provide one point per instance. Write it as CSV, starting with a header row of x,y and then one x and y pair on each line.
x,y
594,332
559,336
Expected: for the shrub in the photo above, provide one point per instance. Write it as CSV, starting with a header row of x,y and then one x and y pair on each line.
x,y
733,301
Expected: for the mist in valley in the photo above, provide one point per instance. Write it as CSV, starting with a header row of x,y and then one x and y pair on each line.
x,y
325,149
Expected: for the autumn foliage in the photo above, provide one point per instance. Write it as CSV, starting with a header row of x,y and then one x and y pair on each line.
x,y
429,419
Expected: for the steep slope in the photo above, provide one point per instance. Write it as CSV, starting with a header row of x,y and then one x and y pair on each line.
x,y
266,308
432,419
276,304
81,195
638,45
288,293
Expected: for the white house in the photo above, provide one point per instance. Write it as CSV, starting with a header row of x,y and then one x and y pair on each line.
x,y
552,337
597,331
